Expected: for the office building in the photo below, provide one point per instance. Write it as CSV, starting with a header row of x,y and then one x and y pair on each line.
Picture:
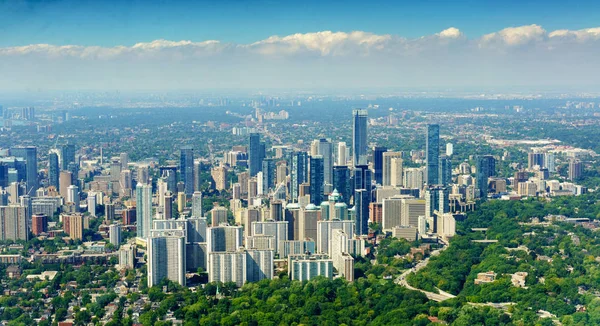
x,y
378,152
166,256
29,154
432,154
325,150
53,171
143,210
445,173
359,137
298,173
67,155
535,159
186,168
341,182
389,175
73,196
65,180
341,153
269,177
392,212
486,168
256,154
316,179
362,199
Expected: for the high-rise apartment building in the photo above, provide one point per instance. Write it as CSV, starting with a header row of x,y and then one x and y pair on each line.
x,y
166,256
143,210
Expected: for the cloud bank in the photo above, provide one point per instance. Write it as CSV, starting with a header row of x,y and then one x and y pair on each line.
x,y
525,55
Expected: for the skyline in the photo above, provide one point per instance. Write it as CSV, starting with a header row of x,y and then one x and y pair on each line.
x,y
66,45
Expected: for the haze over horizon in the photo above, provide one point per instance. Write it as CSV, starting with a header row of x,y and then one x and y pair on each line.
x,y
65,45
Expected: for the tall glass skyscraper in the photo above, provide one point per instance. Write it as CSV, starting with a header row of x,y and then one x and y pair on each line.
x,y
186,169
445,173
298,172
432,154
316,179
53,170
341,182
256,154
359,137
325,149
378,163
362,199
486,167
29,153
67,155
143,210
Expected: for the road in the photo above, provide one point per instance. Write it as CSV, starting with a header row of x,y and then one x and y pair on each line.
x,y
430,295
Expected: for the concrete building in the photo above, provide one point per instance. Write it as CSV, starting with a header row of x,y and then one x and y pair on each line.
x,y
13,223
307,267
166,256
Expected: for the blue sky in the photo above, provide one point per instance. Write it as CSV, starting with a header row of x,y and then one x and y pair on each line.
x,y
126,22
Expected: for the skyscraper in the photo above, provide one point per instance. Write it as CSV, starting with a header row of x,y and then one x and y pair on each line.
x,y
359,137
197,204
166,256
325,149
362,199
341,182
432,154
363,178
378,152
316,179
186,169
13,223
486,167
143,210
445,173
256,154
53,170
298,172
386,177
575,169
29,153
269,171
341,153
67,155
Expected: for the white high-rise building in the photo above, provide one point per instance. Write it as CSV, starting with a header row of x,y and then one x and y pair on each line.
x,y
143,210
325,231
114,233
13,223
397,173
127,256
391,212
449,149
91,203
277,229
197,204
387,167
166,256
414,177
73,196
342,261
240,266
341,153
306,267
411,210
223,238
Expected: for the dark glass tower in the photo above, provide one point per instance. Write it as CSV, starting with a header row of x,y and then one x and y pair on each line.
x,y
29,154
268,172
378,163
316,179
359,137
362,199
486,167
298,173
67,155
445,170
53,170
186,169
341,182
256,153
432,154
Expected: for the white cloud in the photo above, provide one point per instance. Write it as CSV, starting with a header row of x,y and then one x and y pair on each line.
x,y
451,32
524,55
